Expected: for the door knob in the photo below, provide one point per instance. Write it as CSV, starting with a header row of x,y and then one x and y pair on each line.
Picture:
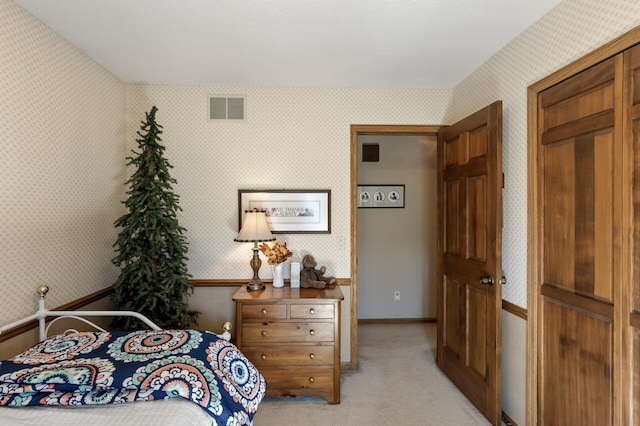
x,y
487,280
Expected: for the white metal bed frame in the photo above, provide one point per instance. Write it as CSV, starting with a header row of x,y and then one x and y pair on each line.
x,y
42,314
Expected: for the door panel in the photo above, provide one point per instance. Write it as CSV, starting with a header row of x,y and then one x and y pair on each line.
x,y
576,366
477,335
452,222
469,238
578,211
477,233
580,248
453,333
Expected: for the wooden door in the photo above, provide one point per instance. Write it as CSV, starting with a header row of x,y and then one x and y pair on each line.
x,y
631,297
470,251
579,210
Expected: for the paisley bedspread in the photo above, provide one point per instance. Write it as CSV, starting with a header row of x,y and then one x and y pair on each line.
x,y
97,368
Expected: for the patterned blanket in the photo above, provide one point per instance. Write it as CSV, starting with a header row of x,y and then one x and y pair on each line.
x,y
92,368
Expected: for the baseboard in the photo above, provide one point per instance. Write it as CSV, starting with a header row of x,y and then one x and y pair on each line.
x,y
394,320
508,420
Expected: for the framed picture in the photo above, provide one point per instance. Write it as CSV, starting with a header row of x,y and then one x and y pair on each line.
x,y
289,212
381,196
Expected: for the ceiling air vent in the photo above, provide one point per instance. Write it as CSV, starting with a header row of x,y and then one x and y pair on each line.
x,y
226,108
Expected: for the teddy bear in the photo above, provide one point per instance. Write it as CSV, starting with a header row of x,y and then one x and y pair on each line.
x,y
311,277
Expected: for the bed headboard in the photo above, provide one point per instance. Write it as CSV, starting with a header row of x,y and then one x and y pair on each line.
x,y
42,314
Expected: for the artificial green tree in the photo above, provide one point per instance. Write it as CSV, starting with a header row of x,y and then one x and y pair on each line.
x,y
151,247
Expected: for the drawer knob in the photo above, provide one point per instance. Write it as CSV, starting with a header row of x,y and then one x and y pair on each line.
x,y
263,357
312,355
264,333
312,311
264,311
311,379
312,332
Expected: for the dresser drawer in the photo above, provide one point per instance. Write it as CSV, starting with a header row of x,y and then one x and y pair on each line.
x,y
273,311
294,355
311,311
287,332
292,336
298,378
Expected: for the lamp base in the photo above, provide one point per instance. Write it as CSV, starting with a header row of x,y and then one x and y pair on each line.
x,y
255,285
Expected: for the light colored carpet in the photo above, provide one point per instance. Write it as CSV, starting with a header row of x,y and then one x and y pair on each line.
x,y
397,383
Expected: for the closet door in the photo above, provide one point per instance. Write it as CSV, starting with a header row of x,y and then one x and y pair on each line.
x,y
631,317
580,209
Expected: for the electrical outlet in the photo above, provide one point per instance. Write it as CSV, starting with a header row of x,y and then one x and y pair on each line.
x,y
396,295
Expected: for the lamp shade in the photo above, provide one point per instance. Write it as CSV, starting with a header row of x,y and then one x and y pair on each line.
x,y
254,228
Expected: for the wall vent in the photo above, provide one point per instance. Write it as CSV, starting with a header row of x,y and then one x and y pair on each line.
x,y
226,107
370,153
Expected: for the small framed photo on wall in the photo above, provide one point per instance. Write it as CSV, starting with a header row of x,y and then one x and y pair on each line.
x,y
380,196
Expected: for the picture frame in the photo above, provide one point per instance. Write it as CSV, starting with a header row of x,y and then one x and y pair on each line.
x,y
289,211
380,196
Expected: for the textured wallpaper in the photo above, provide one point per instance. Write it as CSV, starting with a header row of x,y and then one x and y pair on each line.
x,y
568,32
67,125
292,138
61,166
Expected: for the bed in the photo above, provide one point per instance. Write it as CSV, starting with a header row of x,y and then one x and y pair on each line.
x,y
143,377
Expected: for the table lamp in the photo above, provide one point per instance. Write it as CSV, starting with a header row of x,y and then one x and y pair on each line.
x,y
254,230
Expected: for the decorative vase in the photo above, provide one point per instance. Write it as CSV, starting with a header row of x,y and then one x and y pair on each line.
x,y
278,278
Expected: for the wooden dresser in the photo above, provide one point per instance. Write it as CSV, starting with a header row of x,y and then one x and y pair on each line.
x,y
293,337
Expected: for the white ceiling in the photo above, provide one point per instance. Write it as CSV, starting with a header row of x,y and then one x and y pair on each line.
x,y
432,44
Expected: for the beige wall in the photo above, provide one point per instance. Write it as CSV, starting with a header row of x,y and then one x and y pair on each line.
x,y
514,367
292,138
66,133
397,247
62,149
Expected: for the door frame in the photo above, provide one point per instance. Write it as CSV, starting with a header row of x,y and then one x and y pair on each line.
x,y
608,50
357,130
